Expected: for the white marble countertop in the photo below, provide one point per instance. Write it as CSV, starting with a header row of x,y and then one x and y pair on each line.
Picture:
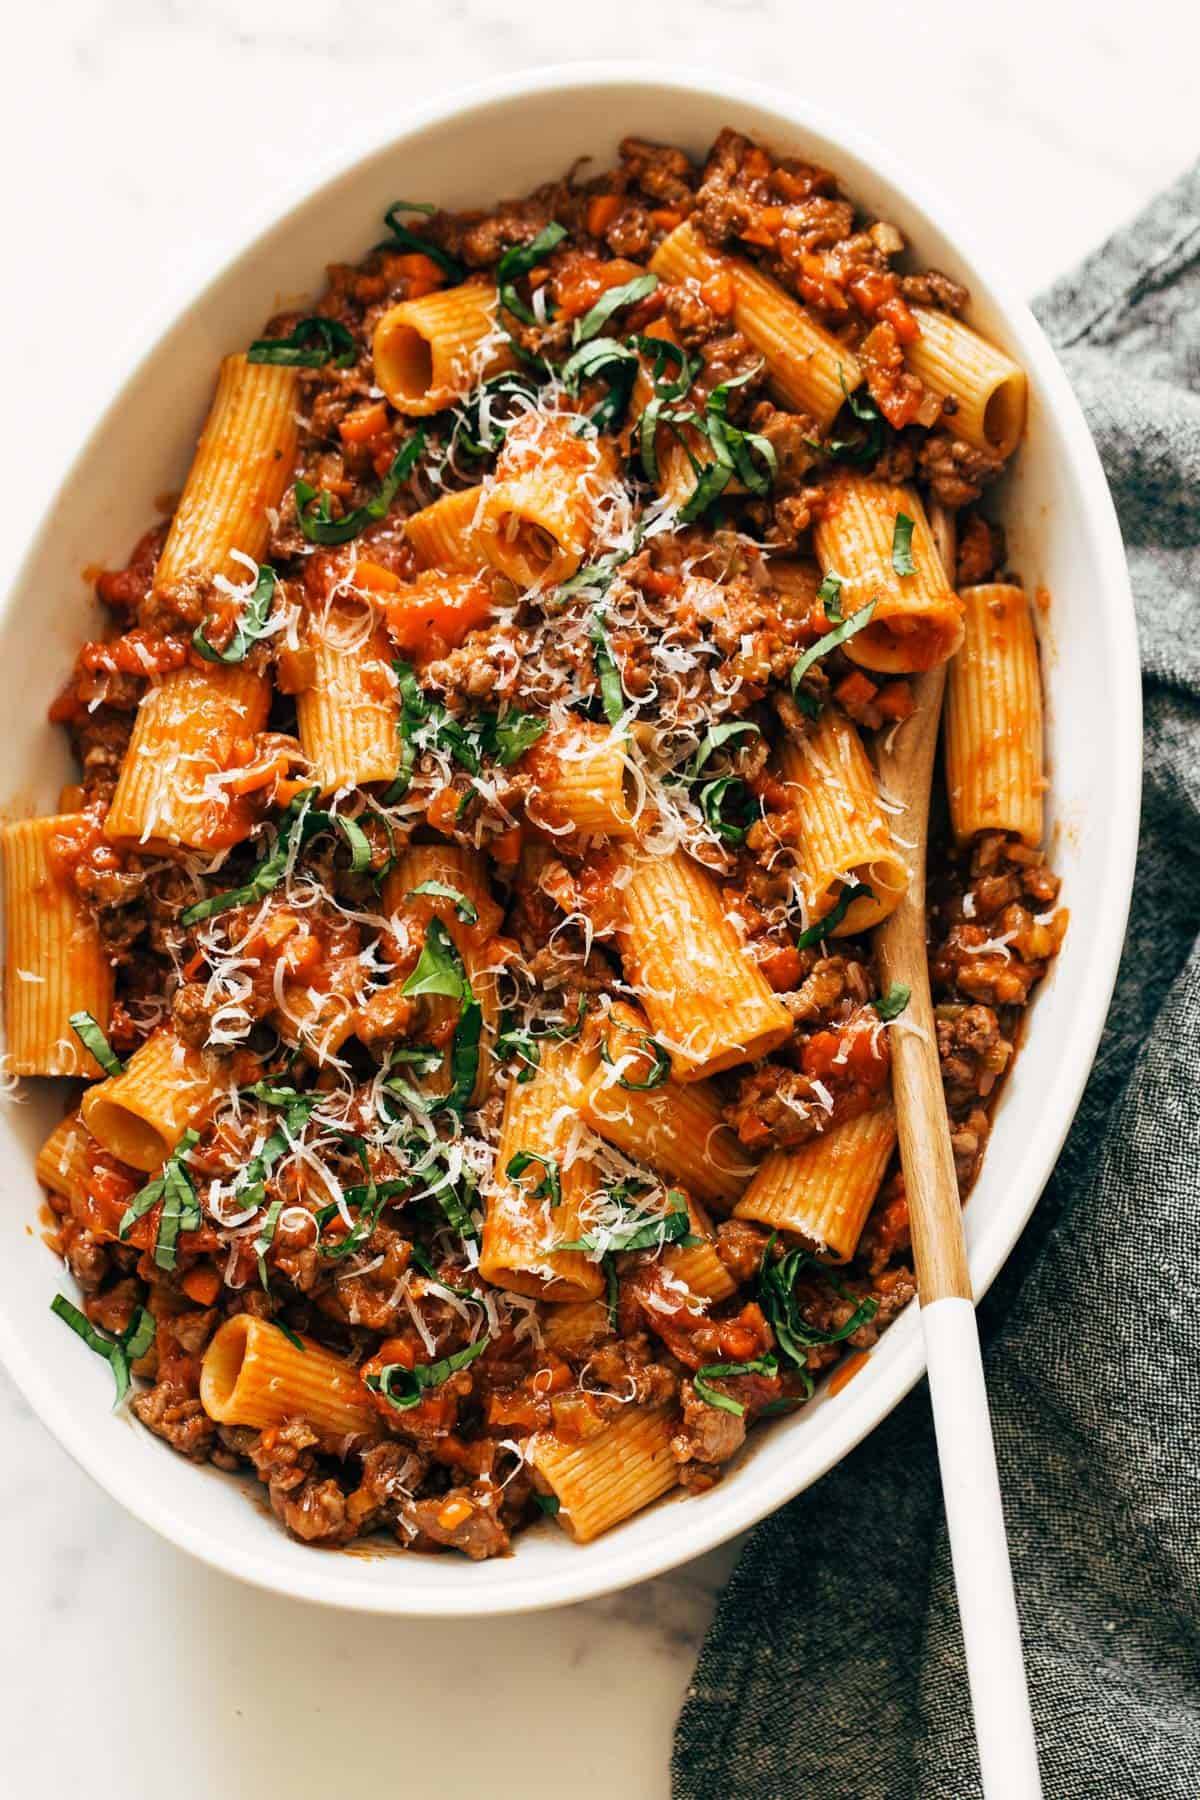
x,y
138,136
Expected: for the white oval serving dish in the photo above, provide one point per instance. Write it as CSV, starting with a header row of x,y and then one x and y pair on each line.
x,y
472,149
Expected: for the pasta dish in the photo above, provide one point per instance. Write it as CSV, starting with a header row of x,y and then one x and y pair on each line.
x,y
462,922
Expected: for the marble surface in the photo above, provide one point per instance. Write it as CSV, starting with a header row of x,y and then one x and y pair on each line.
x,y
140,136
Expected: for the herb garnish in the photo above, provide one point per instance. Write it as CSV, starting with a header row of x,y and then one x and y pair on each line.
x,y
465,910
612,692
639,1231
251,626
777,1296
405,1388
180,1207
314,512
857,620
830,595
816,934
549,1187
299,821
92,1037
118,1352
519,262
594,321
313,342
890,1005
763,1365
658,1074
409,240
902,560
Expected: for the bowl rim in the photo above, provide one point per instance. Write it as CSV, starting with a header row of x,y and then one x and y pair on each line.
x,y
739,1504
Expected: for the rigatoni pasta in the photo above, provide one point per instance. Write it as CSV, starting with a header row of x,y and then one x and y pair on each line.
x,y
845,843
55,964
348,714
994,776
989,389
709,1005
823,1191
241,469
141,1114
916,621
429,352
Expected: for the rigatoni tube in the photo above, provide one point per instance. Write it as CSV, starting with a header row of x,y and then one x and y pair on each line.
x,y
252,1374
608,1477
709,1004
844,836
431,351
55,963
541,1121
917,621
194,731
824,1190
239,473
347,715
807,368
990,390
141,1114
993,740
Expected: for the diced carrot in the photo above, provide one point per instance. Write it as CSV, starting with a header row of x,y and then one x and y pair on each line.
x,y
442,811
856,689
378,579
454,1513
665,218
602,210
506,848
419,272
426,617
718,293
896,700
295,668
553,1378
364,423
661,328
201,1285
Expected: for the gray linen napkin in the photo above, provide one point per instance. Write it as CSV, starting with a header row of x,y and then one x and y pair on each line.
x,y
834,1668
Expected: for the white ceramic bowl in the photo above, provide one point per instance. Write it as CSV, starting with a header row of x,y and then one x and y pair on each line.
x,y
493,142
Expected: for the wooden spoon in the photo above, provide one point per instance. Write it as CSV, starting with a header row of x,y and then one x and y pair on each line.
x,y
962,1426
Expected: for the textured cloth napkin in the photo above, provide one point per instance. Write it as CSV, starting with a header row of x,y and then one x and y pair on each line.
x,y
834,1668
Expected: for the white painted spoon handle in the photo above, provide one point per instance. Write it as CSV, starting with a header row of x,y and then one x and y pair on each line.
x,y
979,1548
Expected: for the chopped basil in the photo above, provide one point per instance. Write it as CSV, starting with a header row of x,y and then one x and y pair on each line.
x,y
720,734
890,1005
718,799
250,627
313,343
597,318
525,1045
639,1232
118,1352
464,427
657,1075
816,934
518,262
368,1200
413,711
603,359
612,693
902,560
547,1503
710,486
763,1365
405,1388
550,1185
745,454
822,647
299,821
777,1296
830,595
180,1208
508,737
314,512
409,240
265,1239
439,969
861,450
92,1037
466,910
